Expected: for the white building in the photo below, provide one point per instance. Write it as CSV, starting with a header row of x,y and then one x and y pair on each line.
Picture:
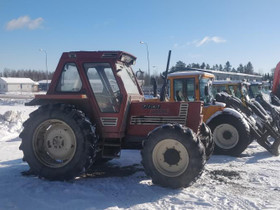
x,y
14,84
44,84
223,75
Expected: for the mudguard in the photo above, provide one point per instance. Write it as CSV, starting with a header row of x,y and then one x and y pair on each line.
x,y
229,111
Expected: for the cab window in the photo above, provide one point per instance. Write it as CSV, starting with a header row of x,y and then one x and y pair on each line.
x,y
237,92
205,90
184,89
104,86
70,80
219,89
231,90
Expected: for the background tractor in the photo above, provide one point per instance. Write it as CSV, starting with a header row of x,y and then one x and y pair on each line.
x,y
94,108
231,132
262,117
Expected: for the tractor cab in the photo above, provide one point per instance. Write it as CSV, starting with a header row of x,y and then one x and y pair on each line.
x,y
101,84
191,86
194,86
237,88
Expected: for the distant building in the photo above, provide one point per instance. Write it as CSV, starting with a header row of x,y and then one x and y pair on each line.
x,y
43,85
223,75
14,84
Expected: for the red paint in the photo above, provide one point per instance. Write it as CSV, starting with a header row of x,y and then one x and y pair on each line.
x,y
276,79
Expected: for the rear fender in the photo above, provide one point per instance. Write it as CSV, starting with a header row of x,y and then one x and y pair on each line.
x,y
80,101
54,99
229,111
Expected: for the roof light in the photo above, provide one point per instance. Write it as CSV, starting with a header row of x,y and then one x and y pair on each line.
x,y
72,55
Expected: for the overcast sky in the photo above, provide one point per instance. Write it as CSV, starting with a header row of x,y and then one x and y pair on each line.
x,y
211,31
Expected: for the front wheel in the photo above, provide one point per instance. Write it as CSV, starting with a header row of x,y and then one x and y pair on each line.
x,y
172,156
230,134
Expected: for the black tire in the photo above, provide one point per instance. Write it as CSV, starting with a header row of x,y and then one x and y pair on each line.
x,y
173,156
207,139
58,142
230,134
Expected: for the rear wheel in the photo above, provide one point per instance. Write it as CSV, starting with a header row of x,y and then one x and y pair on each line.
x,y
58,142
230,134
172,156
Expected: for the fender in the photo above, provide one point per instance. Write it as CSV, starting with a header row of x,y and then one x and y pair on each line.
x,y
229,111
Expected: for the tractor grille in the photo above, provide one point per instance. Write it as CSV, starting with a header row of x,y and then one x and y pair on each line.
x,y
159,120
109,121
183,110
156,120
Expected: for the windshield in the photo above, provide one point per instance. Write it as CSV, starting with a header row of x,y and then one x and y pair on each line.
x,y
205,88
218,89
254,90
128,79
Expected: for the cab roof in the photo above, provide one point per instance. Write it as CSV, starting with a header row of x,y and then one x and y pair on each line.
x,y
228,82
190,73
114,55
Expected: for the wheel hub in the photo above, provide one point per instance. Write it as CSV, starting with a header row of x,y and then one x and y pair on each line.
x,y
227,135
57,142
54,143
172,156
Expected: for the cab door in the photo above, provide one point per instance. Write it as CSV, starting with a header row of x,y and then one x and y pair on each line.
x,y
106,97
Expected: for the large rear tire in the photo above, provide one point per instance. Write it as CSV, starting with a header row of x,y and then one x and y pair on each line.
x,y
173,156
230,134
58,142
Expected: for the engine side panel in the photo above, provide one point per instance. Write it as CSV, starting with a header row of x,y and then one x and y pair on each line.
x,y
146,116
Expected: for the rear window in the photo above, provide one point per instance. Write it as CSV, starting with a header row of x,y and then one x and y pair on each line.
x,y
70,80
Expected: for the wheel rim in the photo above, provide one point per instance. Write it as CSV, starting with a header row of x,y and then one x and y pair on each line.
x,y
54,143
226,136
170,157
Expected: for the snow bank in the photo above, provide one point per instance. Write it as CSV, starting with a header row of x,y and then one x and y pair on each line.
x,y
12,114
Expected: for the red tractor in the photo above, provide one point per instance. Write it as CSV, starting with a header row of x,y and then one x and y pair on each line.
x,y
275,92
94,108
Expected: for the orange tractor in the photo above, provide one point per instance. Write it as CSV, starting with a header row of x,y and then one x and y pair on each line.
x,y
231,131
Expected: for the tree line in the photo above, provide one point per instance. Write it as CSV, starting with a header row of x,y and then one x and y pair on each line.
x,y
35,75
227,67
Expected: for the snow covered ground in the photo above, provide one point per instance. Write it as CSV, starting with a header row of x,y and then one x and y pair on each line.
x,y
247,182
